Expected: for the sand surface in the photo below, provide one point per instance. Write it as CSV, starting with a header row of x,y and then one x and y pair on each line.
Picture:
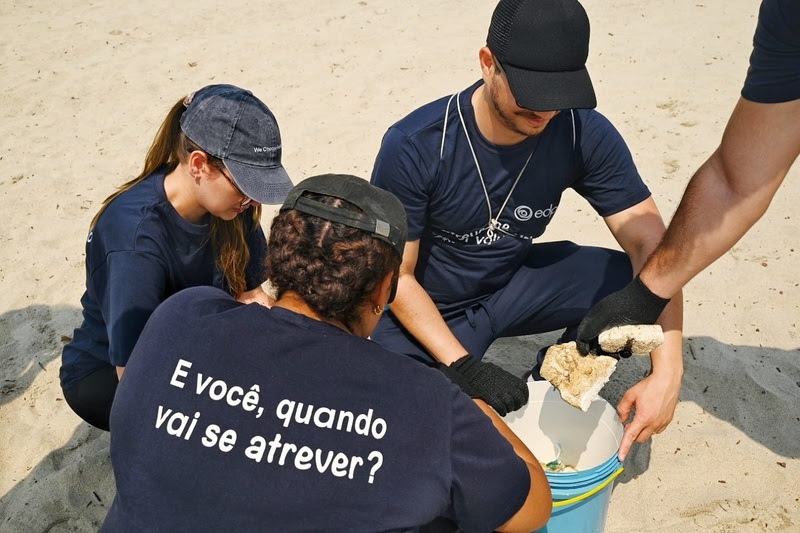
x,y
85,85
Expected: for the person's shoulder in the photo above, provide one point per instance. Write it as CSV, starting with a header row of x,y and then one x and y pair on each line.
x,y
423,118
592,118
124,217
415,379
196,302
780,20
592,127
133,200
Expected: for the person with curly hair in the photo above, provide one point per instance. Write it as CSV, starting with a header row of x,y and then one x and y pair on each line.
x,y
240,417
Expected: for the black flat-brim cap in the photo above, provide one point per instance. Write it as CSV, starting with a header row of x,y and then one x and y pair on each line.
x,y
551,91
542,46
384,218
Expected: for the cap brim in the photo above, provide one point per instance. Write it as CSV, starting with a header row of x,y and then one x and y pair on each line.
x,y
265,185
551,91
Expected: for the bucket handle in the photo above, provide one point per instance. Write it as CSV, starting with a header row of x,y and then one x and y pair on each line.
x,y
595,490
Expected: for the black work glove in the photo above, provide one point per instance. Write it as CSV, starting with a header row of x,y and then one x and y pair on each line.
x,y
503,391
634,304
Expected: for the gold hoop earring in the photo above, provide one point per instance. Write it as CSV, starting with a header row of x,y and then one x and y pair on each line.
x,y
377,310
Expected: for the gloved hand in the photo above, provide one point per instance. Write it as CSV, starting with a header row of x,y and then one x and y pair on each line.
x,y
624,354
503,391
634,304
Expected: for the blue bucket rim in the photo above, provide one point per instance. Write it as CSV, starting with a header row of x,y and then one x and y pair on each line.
x,y
592,475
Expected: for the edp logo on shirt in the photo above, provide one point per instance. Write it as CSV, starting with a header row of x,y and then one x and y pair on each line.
x,y
524,213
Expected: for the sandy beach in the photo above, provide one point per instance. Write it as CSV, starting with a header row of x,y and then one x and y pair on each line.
x,y
85,89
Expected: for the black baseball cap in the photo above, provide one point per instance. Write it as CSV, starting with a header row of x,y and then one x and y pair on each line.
x,y
231,124
384,218
542,46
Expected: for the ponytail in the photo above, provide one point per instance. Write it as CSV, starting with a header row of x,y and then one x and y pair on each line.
x,y
163,151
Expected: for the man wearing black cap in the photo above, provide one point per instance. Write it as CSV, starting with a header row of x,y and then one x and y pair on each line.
x,y
481,174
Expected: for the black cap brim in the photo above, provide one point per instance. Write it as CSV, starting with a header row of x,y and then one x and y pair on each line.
x,y
551,91
265,185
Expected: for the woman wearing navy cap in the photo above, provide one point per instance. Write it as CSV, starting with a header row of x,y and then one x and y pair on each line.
x,y
185,221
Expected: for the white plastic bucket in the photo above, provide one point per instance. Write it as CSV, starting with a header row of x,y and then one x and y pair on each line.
x,y
589,442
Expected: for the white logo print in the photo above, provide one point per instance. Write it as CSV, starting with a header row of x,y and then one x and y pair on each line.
x,y
546,213
523,213
262,149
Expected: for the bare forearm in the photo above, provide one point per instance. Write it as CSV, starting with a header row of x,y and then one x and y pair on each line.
x,y
537,507
728,194
710,219
639,232
667,359
420,316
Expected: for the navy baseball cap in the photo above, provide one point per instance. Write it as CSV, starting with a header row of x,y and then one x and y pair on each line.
x,y
384,216
542,46
231,124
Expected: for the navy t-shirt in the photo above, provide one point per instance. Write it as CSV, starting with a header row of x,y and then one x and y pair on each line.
x,y
460,257
234,417
140,252
774,73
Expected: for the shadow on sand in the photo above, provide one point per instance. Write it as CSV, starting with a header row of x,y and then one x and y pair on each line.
x,y
31,338
71,488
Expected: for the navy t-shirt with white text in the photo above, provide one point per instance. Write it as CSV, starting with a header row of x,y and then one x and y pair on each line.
x,y
234,417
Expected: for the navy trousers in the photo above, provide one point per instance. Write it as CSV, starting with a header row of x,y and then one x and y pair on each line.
x,y
92,396
553,290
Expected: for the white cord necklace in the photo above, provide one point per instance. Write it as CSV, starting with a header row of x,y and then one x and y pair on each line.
x,y
494,222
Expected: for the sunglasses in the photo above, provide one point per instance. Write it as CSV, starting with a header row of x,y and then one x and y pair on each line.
x,y
247,199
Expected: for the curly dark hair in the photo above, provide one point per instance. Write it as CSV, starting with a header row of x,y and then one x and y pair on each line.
x,y
332,267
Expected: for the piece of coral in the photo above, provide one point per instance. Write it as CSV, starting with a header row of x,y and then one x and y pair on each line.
x,y
578,378
639,339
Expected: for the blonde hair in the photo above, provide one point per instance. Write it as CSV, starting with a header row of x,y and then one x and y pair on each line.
x,y
171,147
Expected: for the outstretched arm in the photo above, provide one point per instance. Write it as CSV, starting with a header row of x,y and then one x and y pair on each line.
x,y
728,194
724,198
638,230
420,316
418,313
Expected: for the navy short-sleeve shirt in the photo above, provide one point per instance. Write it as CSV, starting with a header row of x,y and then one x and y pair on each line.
x,y
140,252
774,73
234,417
461,257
